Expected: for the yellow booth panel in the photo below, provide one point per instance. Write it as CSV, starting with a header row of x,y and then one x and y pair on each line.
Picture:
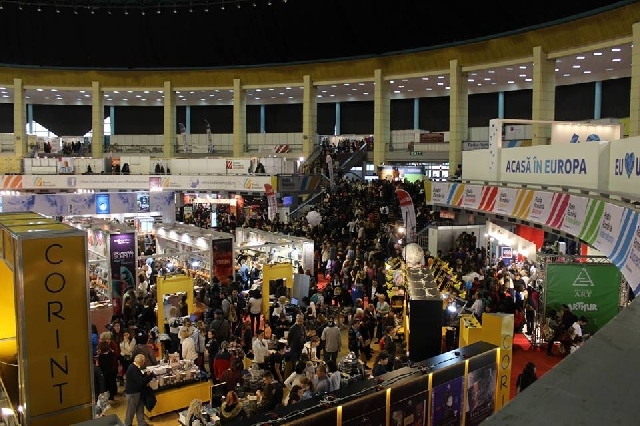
x,y
8,246
470,330
19,215
27,229
171,400
28,222
55,296
8,329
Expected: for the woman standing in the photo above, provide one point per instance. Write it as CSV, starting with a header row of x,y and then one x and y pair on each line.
x,y
255,309
127,347
108,361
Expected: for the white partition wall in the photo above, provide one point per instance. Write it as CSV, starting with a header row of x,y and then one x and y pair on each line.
x,y
266,142
136,143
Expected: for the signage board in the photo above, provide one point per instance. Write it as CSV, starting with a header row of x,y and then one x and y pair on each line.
x,y
298,183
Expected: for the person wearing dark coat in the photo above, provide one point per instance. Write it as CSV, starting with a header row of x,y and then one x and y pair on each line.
x,y
137,382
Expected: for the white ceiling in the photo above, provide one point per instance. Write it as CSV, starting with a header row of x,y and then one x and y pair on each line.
x,y
604,64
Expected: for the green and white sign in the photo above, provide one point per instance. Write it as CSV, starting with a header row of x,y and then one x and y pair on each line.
x,y
590,289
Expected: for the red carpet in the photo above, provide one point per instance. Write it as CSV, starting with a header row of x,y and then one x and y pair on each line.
x,y
523,353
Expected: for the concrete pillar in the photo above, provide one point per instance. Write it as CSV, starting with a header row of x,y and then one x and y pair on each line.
x,y
263,119
309,116
500,104
336,129
544,95
597,101
634,119
97,120
112,120
19,119
458,114
381,118
30,118
416,114
239,119
170,134
187,119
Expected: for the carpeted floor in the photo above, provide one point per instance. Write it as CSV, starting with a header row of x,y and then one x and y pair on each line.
x,y
523,353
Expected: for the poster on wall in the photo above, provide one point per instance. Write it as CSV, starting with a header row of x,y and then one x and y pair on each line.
x,y
65,165
410,412
222,261
481,393
506,253
144,206
590,290
410,174
103,204
122,255
446,403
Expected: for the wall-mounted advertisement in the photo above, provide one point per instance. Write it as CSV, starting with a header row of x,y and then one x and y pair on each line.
x,y
222,262
410,412
103,204
122,255
401,173
481,393
446,403
143,202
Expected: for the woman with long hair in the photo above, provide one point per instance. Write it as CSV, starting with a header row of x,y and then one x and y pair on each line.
x,y
231,409
527,377
194,414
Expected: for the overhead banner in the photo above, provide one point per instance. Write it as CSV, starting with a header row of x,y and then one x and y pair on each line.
x,y
575,215
439,192
631,268
622,246
271,200
505,201
489,198
472,196
408,214
609,229
122,255
590,289
222,259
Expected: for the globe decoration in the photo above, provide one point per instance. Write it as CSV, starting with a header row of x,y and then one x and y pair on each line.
x,y
414,255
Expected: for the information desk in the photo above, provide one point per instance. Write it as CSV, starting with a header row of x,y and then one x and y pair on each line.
x,y
179,397
470,330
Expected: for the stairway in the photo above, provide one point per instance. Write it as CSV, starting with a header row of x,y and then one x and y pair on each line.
x,y
348,160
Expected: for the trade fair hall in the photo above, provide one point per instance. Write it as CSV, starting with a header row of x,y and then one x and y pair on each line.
x,y
251,212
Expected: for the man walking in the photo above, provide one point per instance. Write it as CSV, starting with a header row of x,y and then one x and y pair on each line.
x,y
137,381
332,341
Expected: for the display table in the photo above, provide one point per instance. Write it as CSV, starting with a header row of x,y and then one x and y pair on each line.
x,y
177,398
470,330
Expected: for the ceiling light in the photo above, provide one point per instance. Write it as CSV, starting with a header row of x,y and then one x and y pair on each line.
x,y
258,90
115,91
281,93
576,66
609,69
87,96
522,75
347,84
441,76
143,99
405,81
335,95
366,93
125,99
510,82
389,82
271,89
487,79
616,49
566,75
447,88
54,90
334,86
138,96
429,88
425,78
362,84
146,91
579,58
288,88
527,79
479,84
470,80
257,98
401,87
440,84
318,96
491,72
354,89
523,67
557,70
290,97
586,72
597,53
39,90
616,60
82,91
396,91
129,91
509,69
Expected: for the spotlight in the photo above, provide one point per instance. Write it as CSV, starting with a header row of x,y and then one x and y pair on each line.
x,y
143,13
93,11
158,12
222,7
254,4
206,9
39,10
239,6
175,11
75,11
109,12
126,12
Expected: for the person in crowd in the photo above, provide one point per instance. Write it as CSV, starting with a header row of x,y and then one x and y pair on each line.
x,y
255,309
307,388
380,367
108,363
142,348
231,409
297,338
127,346
213,347
295,395
332,340
297,375
550,332
527,377
194,414
233,375
136,383
334,375
260,348
188,346
322,383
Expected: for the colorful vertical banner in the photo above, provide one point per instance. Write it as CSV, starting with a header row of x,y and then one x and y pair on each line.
x,y
446,403
505,201
122,255
622,246
472,196
439,192
593,216
574,215
481,388
329,161
559,205
631,268
524,199
271,201
455,194
591,290
222,259
609,228
489,199
408,214
210,147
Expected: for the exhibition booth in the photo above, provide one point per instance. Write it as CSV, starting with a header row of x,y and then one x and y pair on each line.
x,y
507,246
44,272
269,247
113,249
445,238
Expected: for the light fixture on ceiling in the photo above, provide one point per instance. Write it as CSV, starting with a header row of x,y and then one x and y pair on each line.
x,y
510,82
616,60
576,66
523,67
566,75
616,49
580,58
528,79
597,53
586,72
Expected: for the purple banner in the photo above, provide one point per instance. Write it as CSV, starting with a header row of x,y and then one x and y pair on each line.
x,y
122,254
446,406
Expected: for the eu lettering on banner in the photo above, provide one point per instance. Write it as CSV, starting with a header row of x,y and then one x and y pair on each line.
x,y
472,196
574,215
439,192
631,268
593,219
540,208
628,166
505,201
609,229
